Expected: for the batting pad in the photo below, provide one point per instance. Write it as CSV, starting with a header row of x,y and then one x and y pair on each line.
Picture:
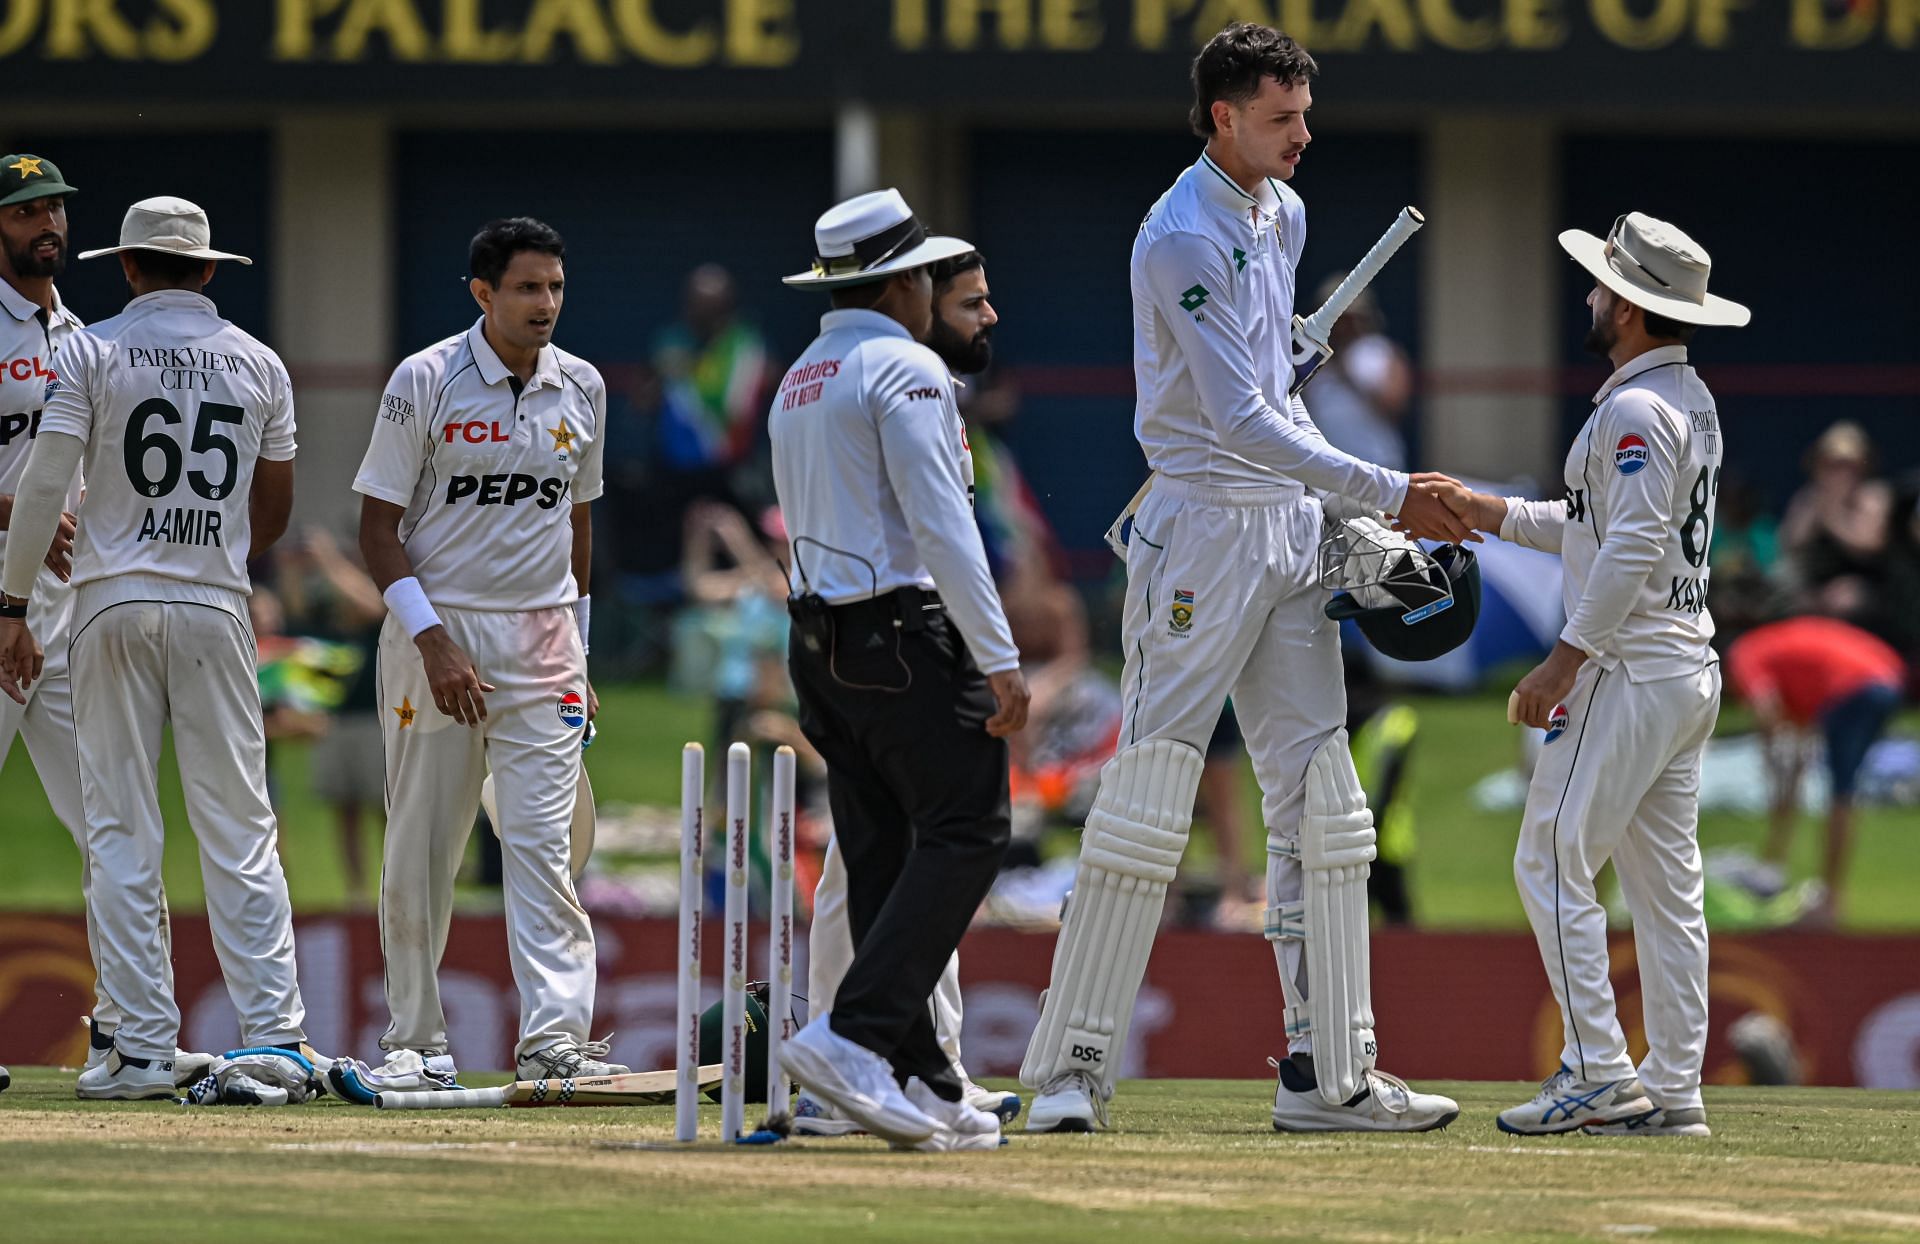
x,y
1130,851
1335,850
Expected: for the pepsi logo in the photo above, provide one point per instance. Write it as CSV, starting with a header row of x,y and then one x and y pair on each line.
x,y
1630,455
573,710
1557,722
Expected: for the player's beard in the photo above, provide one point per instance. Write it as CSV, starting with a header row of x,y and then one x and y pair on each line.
x,y
25,263
1601,339
964,356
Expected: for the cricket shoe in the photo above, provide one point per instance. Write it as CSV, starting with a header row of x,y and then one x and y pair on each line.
x,y
1566,1103
5,1079
1677,1121
1384,1103
855,1081
959,1127
120,1078
1070,1102
1002,1105
404,1071
568,1061
188,1067
813,1117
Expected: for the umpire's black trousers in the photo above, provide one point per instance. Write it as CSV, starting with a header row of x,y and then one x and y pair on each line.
x,y
892,700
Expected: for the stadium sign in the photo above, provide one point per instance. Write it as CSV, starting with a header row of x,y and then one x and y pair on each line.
x,y
1728,52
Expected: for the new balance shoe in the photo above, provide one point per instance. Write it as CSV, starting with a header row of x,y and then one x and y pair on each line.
x,y
999,1103
813,1117
1384,1104
188,1067
1566,1103
120,1078
855,1081
1070,1102
1678,1121
568,1061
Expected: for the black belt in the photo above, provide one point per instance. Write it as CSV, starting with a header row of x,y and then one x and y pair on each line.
x,y
909,606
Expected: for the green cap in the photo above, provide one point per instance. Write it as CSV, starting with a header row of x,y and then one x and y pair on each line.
x,y
24,177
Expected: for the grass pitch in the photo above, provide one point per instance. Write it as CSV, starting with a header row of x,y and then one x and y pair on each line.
x,y
1194,1160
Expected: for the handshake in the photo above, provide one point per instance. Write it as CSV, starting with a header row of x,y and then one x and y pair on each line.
x,y
1440,507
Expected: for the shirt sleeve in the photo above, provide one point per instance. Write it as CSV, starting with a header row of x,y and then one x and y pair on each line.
x,y
920,441
588,481
1535,524
1639,510
70,407
1192,287
399,443
37,503
276,435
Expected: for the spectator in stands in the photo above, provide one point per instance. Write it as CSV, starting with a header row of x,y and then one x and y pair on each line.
x,y
713,373
1818,673
1837,525
1902,600
1744,557
1360,397
737,582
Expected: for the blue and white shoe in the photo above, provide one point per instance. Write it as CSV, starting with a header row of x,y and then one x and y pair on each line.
x,y
1678,1121
813,1117
999,1103
1566,1103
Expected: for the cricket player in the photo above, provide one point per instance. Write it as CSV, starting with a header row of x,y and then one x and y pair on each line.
x,y
476,525
186,426
1223,597
1629,693
962,335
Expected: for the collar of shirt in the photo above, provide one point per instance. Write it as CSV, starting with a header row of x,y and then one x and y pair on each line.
x,y
1659,356
23,308
1225,192
184,298
871,323
546,368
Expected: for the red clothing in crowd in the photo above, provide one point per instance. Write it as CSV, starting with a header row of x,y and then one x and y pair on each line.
x,y
1810,663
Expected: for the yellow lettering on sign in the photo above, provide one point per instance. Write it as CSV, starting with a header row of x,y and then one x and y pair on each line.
x,y
910,24
23,18
1903,22
1012,22
293,27
761,33
1535,25
405,34
466,37
1390,17
1713,23
190,35
579,20
1814,27
1071,25
1297,19
1447,28
1153,18
648,40
1657,29
78,28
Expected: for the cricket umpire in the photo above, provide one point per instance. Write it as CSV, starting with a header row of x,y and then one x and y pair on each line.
x,y
906,671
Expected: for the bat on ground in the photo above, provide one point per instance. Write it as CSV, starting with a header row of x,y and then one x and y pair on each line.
x,y
638,1088
1311,333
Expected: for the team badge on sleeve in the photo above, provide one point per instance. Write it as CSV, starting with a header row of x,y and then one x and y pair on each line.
x,y
1557,720
1182,620
1630,455
573,710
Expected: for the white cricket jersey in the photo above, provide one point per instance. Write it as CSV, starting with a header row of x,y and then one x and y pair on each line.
x,y
29,341
488,470
174,405
1642,479
1213,288
875,480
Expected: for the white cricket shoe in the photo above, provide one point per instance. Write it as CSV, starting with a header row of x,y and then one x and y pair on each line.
x,y
813,1117
568,1061
1678,1121
960,1127
123,1079
1386,1104
188,1067
1566,1103
1002,1105
855,1081
1070,1102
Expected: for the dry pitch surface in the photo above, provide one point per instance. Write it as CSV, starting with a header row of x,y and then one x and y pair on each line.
x,y
1195,1160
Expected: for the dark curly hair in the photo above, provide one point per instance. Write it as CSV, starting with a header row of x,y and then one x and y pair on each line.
x,y
1233,63
498,241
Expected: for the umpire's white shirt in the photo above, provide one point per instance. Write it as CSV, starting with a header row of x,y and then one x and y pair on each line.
x,y
1213,288
871,465
488,475
175,405
28,346
1642,477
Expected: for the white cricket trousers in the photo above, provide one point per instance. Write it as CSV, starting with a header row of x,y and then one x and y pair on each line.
x,y
1621,782
830,954
148,651
1243,565
435,766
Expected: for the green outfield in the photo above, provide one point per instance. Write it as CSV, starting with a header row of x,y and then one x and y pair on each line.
x,y
1194,1160
1462,876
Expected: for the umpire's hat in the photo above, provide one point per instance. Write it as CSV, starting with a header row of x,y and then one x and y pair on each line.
x,y
868,238
24,177
1432,629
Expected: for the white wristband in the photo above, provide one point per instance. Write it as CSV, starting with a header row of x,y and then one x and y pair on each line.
x,y
582,613
408,601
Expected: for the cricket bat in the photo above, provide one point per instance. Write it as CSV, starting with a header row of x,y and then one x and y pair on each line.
x,y
1311,334
638,1088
